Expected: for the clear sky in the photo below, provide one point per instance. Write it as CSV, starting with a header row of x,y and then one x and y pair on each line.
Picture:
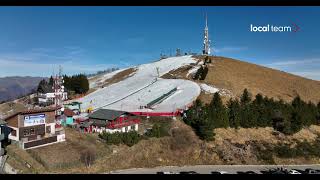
x,y
34,40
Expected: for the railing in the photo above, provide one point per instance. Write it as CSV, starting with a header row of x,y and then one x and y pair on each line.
x,y
43,141
156,113
114,125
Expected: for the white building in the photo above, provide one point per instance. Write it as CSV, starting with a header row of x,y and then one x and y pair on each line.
x,y
49,97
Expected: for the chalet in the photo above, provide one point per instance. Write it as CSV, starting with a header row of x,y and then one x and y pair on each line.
x,y
34,128
112,121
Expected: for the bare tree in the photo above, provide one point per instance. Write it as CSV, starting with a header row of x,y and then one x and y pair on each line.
x,y
88,156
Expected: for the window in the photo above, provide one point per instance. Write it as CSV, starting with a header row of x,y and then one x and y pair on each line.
x,y
13,133
126,129
133,127
32,131
26,132
48,129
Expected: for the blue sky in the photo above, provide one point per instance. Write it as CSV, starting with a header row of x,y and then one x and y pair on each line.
x,y
35,40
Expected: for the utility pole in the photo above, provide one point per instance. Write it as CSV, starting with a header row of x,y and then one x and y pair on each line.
x,y
158,71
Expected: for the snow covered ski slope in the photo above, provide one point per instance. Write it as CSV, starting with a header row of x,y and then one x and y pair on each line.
x,y
144,86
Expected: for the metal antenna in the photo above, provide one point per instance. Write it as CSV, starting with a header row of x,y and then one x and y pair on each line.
x,y
206,21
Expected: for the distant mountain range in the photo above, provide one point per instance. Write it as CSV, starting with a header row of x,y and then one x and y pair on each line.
x,y
16,86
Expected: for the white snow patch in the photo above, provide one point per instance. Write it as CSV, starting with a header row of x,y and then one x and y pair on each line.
x,y
193,70
141,88
208,89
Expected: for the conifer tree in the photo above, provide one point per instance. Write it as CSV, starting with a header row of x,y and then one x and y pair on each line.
x,y
217,112
44,87
204,73
245,97
234,113
297,114
318,117
262,116
51,81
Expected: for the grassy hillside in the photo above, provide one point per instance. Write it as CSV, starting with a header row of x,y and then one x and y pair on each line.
x,y
236,75
182,147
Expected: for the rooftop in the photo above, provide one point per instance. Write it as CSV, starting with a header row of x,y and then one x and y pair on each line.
x,y
106,114
33,111
68,112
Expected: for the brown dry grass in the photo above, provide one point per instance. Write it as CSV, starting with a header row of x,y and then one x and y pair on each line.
x,y
66,154
18,158
243,135
236,75
119,76
116,78
182,148
5,108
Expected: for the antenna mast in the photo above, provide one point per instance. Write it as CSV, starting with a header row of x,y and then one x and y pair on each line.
x,y
58,89
206,41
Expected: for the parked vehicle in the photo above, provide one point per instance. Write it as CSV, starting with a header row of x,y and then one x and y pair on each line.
x,y
292,171
219,172
246,172
265,172
278,172
312,171
300,171
275,171
166,172
188,172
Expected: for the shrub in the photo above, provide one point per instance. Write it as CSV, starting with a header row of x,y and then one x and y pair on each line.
x,y
129,138
88,156
158,130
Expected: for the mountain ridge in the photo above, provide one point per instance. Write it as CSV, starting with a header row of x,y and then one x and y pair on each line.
x,y
12,87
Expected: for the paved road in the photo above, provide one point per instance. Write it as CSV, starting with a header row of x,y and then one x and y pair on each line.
x,y
206,169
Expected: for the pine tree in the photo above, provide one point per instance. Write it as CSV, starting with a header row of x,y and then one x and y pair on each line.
x,y
318,117
297,119
198,73
51,81
245,111
204,73
260,108
311,113
280,123
246,97
77,83
195,113
234,113
44,87
205,126
217,112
